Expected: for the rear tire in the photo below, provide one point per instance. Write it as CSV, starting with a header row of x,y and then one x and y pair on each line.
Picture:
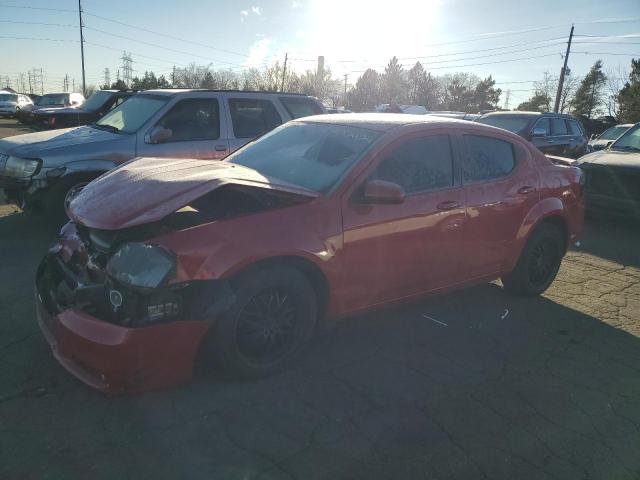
x,y
539,262
272,318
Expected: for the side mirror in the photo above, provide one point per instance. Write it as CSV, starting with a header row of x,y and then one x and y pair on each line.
x,y
379,191
158,134
539,132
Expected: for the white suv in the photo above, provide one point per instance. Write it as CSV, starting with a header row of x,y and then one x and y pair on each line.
x,y
12,103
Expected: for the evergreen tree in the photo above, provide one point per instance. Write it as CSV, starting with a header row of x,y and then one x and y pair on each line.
x,y
629,96
588,96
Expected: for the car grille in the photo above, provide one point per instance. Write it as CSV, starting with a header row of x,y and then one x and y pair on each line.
x,y
614,183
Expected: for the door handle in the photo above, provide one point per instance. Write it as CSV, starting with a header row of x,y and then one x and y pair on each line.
x,y
549,141
449,205
220,148
527,189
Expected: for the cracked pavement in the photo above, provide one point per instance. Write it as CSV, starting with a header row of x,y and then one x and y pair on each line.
x,y
551,390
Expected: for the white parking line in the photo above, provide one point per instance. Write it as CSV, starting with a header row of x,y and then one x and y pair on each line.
x,y
434,320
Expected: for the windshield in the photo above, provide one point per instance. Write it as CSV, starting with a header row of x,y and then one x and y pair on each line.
x,y
8,97
129,116
629,141
312,155
53,99
613,133
96,100
513,123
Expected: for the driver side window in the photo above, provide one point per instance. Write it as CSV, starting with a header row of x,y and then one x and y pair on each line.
x,y
545,124
193,119
418,165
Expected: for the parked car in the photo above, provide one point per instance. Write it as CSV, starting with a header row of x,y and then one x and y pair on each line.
x,y
40,168
336,110
168,262
12,103
553,133
50,100
606,138
90,111
395,108
612,177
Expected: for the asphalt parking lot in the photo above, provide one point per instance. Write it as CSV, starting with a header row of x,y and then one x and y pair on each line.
x,y
472,385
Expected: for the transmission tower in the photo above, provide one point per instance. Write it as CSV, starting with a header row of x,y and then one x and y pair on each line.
x,y
107,78
506,99
127,68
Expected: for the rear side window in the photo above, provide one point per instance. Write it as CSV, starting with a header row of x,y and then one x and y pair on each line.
x,y
488,158
574,128
298,107
419,164
193,119
558,126
252,117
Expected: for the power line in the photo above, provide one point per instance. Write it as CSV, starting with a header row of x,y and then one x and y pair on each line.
x,y
37,8
611,53
166,35
182,52
484,63
38,23
39,39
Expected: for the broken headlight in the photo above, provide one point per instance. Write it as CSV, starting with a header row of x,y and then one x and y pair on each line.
x,y
141,265
20,167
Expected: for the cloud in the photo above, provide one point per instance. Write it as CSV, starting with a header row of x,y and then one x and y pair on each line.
x,y
256,10
244,13
258,52
295,4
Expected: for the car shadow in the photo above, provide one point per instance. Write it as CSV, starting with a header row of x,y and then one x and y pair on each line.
x,y
614,239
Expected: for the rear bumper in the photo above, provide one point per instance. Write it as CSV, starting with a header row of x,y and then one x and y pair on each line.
x,y
116,359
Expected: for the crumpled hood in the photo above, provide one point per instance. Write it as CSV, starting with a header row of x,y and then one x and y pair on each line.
x,y
67,143
612,158
145,190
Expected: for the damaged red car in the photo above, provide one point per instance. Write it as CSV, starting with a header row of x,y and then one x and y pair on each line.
x,y
168,264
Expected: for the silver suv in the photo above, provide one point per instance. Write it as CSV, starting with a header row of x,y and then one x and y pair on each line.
x,y
12,103
38,169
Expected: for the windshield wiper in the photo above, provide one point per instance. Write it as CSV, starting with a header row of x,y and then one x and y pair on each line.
x,y
108,128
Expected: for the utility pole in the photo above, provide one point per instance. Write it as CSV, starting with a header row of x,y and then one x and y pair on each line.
x,y
319,74
84,86
506,99
562,72
30,86
107,78
41,82
66,82
173,77
346,75
284,70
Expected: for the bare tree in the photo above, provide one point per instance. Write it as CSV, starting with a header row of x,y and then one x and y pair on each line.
x,y
616,78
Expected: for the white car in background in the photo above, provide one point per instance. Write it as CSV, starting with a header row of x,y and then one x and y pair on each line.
x,y
12,103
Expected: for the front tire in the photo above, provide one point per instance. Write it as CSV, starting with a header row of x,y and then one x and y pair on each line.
x,y
539,262
270,321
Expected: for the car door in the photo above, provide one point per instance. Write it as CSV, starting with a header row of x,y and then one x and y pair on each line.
x,y
397,250
196,131
501,186
545,143
577,141
250,117
561,137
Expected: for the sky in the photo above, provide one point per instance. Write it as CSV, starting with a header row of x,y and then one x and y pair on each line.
x,y
514,41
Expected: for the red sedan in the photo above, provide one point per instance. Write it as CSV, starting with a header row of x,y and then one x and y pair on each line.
x,y
171,262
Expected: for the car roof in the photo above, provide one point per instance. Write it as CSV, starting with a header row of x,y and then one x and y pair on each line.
x,y
525,113
385,121
177,91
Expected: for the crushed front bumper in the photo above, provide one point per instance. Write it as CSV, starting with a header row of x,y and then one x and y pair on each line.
x,y
116,359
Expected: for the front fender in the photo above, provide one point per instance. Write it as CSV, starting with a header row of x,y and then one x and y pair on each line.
x,y
544,209
86,166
